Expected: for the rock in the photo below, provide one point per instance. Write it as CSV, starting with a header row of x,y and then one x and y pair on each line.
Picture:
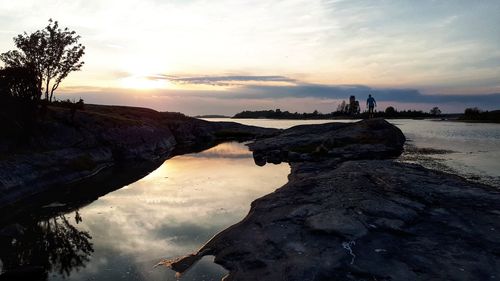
x,y
64,152
350,215
350,204
347,226
367,139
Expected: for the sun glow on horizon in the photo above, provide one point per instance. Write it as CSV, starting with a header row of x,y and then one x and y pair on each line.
x,y
141,82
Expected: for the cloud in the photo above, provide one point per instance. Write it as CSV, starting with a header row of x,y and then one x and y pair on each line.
x,y
223,80
360,91
255,91
279,87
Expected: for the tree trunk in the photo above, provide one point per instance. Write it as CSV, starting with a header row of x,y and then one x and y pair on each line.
x,y
47,90
40,92
47,84
54,87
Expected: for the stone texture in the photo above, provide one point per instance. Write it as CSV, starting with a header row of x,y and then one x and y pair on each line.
x,y
374,139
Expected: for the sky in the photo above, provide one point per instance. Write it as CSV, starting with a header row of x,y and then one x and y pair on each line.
x,y
225,56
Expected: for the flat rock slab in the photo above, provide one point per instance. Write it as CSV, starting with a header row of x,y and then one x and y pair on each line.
x,y
349,215
366,220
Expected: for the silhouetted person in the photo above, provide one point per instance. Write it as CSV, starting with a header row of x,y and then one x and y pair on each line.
x,y
371,103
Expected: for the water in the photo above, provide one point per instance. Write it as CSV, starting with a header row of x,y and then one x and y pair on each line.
x,y
279,124
169,213
471,150
188,199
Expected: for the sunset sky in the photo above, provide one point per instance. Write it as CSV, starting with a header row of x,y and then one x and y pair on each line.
x,y
221,57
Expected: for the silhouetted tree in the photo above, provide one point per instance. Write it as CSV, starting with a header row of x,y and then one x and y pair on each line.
x,y
52,53
390,111
342,107
435,111
472,113
477,114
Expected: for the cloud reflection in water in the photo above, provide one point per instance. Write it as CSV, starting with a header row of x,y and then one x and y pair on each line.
x,y
173,211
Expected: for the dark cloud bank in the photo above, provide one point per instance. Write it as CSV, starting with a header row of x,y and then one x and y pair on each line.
x,y
344,91
296,89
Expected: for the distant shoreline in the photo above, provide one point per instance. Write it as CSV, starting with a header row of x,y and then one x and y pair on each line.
x,y
437,119
473,115
211,116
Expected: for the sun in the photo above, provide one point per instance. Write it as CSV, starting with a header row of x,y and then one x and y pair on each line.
x,y
143,75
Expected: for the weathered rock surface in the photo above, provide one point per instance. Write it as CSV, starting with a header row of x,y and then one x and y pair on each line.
x,y
373,139
348,217
63,151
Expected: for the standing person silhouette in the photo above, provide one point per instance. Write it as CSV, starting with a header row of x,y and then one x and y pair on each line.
x,y
371,103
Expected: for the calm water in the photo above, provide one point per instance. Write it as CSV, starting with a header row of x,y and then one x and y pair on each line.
x,y
179,206
169,213
474,147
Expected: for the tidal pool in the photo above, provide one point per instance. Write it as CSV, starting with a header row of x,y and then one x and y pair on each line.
x,y
168,213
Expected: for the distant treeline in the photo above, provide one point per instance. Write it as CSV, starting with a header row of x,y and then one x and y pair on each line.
x,y
476,114
390,112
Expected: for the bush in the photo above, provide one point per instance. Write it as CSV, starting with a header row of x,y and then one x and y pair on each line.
x,y
473,111
19,83
19,97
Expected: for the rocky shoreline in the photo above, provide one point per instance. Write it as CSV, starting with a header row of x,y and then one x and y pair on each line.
x,y
63,151
351,212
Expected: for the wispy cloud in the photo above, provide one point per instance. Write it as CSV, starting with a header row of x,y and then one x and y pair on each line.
x,y
222,80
